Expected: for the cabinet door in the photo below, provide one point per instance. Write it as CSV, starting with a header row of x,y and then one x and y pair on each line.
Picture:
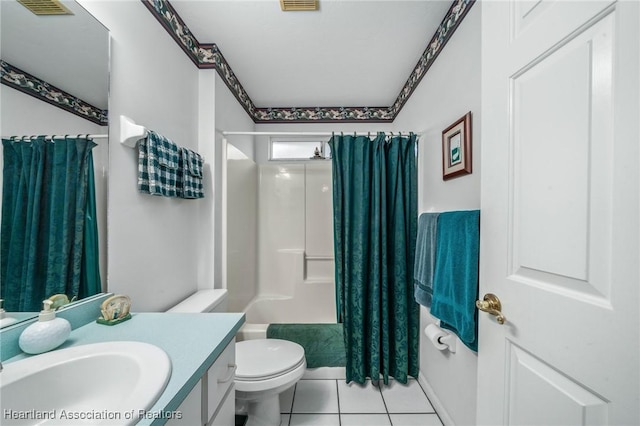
x,y
190,412
212,400
220,379
226,415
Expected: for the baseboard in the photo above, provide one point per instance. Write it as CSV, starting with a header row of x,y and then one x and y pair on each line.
x,y
435,401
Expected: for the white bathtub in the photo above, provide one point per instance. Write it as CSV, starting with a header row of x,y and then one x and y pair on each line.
x,y
312,304
316,306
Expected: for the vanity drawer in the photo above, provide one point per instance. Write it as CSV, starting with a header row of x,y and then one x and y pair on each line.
x,y
220,378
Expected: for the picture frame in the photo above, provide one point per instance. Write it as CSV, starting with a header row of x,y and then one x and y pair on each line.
x,y
456,148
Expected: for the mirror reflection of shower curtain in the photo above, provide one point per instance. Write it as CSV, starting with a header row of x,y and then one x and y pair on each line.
x,y
375,226
49,234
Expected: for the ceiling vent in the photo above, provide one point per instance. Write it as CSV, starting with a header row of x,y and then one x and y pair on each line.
x,y
298,5
45,7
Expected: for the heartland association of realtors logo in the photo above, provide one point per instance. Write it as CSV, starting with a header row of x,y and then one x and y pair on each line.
x,y
137,415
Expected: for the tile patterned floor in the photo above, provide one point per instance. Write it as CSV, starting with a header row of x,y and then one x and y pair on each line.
x,y
320,402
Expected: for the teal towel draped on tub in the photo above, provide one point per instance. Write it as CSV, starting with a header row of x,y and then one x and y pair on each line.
x,y
323,343
455,280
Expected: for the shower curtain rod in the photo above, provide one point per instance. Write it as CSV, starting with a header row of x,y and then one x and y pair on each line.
x,y
57,136
225,133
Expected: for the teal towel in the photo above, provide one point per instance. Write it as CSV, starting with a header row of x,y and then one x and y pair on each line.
x,y
323,343
455,280
425,258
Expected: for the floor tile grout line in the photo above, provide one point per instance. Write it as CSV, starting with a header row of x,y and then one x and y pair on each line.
x,y
385,403
293,398
338,398
379,389
430,403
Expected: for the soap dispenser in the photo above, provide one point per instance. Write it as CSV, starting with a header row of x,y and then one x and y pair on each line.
x,y
45,334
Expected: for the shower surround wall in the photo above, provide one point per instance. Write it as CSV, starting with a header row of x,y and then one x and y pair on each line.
x,y
295,245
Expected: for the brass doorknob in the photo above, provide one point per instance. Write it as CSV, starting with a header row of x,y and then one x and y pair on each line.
x,y
491,304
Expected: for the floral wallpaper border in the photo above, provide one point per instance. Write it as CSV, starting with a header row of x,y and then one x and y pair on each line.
x,y
209,56
448,26
31,85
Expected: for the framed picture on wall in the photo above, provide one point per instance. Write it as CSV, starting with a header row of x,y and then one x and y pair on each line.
x,y
456,148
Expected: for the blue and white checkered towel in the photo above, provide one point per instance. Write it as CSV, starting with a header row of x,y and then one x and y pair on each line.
x,y
191,174
158,159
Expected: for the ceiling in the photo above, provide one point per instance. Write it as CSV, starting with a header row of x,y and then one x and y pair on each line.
x,y
35,44
364,55
348,53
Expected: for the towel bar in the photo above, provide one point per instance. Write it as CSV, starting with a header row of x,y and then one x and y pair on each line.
x,y
130,132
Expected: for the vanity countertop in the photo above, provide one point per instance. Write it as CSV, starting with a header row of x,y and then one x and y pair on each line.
x,y
192,341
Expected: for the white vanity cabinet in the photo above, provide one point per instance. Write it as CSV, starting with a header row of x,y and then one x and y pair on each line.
x,y
212,400
218,390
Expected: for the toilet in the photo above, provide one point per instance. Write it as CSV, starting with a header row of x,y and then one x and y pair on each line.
x,y
265,367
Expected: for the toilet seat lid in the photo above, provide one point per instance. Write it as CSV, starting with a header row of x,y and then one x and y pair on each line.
x,y
261,358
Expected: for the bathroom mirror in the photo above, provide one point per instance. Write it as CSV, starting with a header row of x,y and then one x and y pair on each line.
x,y
68,54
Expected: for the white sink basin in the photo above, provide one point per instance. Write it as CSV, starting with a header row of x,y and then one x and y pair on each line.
x,y
110,383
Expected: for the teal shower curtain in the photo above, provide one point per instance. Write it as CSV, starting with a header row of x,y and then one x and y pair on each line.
x,y
375,225
49,237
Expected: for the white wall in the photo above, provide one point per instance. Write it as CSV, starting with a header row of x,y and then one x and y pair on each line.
x,y
242,229
25,115
152,255
207,267
450,89
163,249
229,116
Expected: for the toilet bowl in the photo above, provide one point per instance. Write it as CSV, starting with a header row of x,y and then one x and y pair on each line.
x,y
265,367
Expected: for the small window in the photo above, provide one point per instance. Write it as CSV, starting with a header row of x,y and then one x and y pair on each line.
x,y
299,149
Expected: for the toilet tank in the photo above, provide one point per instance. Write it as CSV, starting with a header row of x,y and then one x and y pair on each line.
x,y
203,301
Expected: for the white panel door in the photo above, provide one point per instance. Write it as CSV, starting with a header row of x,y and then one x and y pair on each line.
x,y
560,213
